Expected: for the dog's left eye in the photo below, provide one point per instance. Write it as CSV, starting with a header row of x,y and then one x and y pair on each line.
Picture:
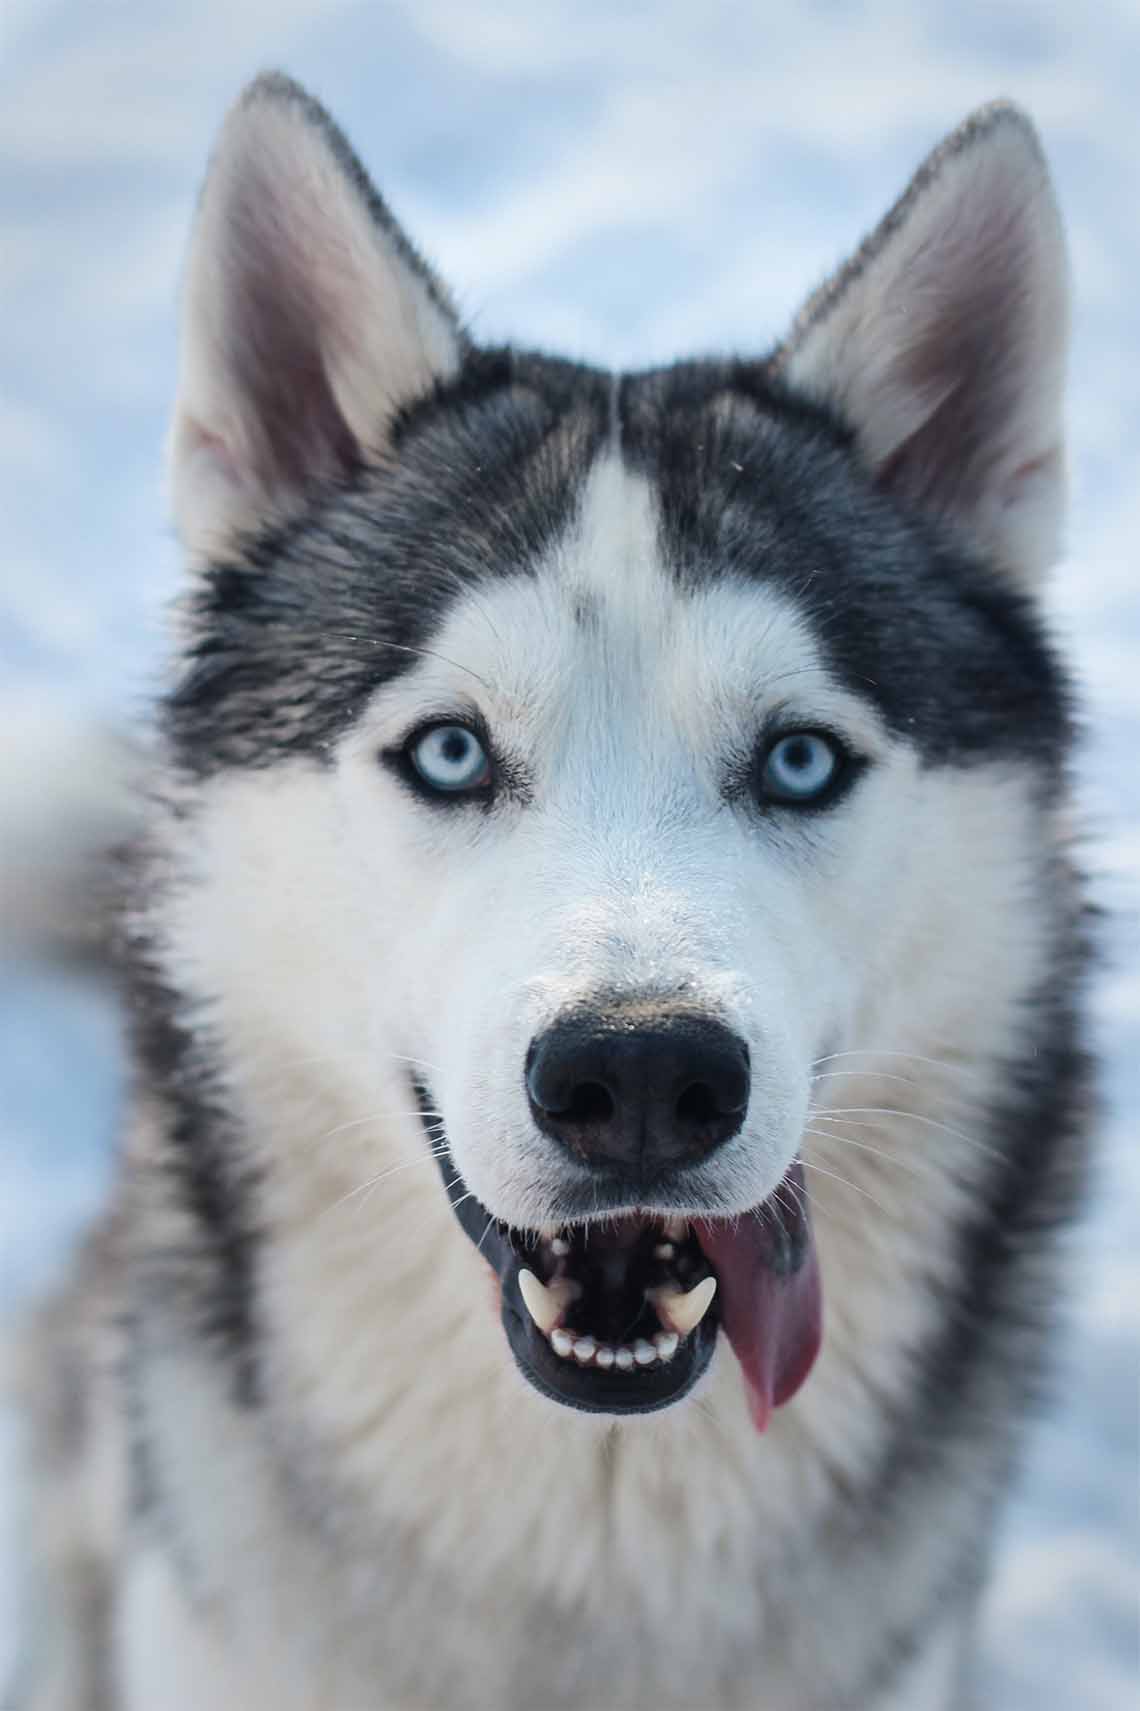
x,y
450,759
801,767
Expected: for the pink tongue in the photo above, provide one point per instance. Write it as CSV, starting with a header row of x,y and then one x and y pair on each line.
x,y
769,1294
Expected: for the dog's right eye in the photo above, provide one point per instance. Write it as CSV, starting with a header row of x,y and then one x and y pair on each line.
x,y
449,759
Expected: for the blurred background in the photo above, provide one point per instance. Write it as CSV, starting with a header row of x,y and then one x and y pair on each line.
x,y
626,183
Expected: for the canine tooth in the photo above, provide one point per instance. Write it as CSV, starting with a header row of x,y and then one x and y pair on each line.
x,y
604,1356
545,1306
644,1353
665,1343
624,1358
562,1342
664,1250
683,1312
584,1349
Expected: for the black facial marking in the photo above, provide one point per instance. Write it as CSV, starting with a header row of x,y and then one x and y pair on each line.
x,y
207,1178
293,634
761,486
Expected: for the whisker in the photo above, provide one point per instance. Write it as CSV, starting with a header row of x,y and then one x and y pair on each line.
x,y
868,1074
838,1111
908,1165
486,1231
376,1117
374,1181
847,1183
469,594
358,1054
912,1057
416,1062
760,1213
419,653
411,1236
804,1202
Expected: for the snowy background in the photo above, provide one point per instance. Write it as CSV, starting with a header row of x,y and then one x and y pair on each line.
x,y
625,182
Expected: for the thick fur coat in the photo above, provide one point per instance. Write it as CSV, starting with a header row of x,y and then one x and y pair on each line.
x,y
288,1455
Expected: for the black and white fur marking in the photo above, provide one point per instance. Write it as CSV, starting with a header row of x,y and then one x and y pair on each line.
x,y
292,1462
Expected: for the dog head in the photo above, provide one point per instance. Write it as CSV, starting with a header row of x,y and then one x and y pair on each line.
x,y
579,762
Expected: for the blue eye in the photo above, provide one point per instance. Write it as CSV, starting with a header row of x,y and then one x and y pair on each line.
x,y
801,767
450,759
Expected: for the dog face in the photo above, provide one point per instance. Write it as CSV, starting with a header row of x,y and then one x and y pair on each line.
x,y
590,759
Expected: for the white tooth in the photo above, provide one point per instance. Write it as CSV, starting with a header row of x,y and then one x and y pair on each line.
x,y
560,1247
665,1343
664,1250
561,1342
683,1312
644,1353
584,1349
604,1356
624,1358
545,1306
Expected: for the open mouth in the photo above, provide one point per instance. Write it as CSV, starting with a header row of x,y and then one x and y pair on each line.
x,y
621,1314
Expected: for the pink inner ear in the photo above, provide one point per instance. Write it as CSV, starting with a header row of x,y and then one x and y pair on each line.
x,y
211,468
1026,474
943,343
276,329
200,442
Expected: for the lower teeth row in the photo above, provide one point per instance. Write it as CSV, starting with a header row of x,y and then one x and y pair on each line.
x,y
588,1352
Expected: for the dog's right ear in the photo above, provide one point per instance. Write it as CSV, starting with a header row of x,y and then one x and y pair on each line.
x,y
308,322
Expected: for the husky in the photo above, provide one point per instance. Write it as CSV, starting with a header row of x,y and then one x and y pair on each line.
x,y
605,959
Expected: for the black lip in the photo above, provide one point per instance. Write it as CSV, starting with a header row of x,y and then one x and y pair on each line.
x,y
642,1391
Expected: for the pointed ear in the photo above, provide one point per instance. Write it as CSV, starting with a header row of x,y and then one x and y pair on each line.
x,y
943,341
308,321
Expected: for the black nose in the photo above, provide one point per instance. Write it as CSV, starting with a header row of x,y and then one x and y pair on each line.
x,y
639,1093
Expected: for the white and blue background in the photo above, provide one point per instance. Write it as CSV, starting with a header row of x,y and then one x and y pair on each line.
x,y
626,183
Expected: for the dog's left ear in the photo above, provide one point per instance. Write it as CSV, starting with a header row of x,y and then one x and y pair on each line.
x,y
309,321
942,343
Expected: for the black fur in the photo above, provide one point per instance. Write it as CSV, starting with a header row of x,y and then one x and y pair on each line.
x,y
215,1282
289,636
759,484
292,635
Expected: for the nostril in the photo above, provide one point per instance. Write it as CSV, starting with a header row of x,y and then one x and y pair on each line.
x,y
698,1104
590,1102
715,1103
649,1091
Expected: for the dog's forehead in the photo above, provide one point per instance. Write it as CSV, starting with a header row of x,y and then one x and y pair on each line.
x,y
603,622
716,545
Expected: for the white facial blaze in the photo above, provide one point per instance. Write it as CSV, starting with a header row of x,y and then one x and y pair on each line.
x,y
626,702
334,939
347,938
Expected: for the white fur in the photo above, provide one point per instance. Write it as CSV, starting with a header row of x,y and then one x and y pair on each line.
x,y
342,929
402,1521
